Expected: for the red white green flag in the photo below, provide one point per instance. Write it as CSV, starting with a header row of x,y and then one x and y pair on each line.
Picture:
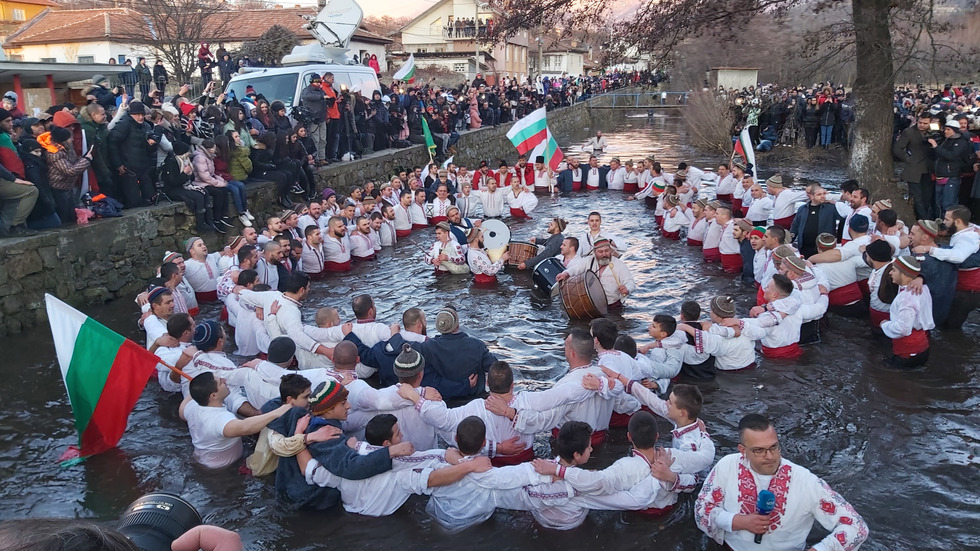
x,y
406,72
549,150
532,137
104,373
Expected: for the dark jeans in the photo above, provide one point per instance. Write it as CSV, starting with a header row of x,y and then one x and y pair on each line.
x,y
923,195
220,198
136,186
811,135
947,195
280,179
65,202
333,138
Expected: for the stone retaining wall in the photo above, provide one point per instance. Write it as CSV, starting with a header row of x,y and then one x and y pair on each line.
x,y
114,258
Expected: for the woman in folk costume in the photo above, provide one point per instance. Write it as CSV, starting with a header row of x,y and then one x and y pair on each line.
x,y
446,255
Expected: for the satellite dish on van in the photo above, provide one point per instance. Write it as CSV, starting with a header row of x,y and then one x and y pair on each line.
x,y
336,23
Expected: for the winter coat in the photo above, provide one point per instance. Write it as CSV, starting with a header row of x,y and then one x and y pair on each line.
x,y
128,146
240,165
313,98
204,172
811,116
828,113
160,74
952,156
64,167
36,172
143,74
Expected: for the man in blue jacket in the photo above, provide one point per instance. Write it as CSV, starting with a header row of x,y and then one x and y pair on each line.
x,y
816,217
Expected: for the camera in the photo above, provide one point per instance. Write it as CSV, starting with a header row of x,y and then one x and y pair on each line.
x,y
935,132
155,520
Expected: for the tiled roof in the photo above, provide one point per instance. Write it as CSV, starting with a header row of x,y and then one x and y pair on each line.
x,y
58,26
35,2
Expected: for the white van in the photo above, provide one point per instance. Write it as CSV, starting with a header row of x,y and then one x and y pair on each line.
x,y
286,84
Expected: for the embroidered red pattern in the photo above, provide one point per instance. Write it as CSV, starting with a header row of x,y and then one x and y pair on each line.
x,y
748,494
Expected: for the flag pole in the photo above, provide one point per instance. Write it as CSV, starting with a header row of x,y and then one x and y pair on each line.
x,y
175,370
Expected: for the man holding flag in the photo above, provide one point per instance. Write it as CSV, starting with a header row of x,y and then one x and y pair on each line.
x,y
743,147
532,137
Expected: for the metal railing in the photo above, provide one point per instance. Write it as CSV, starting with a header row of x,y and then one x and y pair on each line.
x,y
642,100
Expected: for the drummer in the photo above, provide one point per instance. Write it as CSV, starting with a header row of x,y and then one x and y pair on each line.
x,y
484,270
589,237
616,279
521,201
549,246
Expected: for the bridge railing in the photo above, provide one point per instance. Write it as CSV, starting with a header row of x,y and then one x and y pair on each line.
x,y
642,100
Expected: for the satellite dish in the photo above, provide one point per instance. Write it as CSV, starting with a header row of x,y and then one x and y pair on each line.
x,y
336,23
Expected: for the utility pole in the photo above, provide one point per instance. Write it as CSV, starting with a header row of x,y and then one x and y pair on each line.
x,y
476,39
540,40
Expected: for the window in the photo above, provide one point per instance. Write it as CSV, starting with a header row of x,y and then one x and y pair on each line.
x,y
17,57
49,60
19,15
420,50
460,67
121,59
281,87
86,59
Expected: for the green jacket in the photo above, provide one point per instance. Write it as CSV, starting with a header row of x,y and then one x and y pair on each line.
x,y
241,165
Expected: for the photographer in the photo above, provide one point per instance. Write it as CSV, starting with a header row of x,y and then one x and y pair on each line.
x,y
953,154
912,149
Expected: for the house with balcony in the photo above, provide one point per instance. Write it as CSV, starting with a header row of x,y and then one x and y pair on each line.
x,y
453,34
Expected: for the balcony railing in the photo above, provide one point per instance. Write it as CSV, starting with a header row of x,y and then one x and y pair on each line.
x,y
464,32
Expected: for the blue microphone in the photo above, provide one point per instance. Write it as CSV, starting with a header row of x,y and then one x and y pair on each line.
x,y
764,506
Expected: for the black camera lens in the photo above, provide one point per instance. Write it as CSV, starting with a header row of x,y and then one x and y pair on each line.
x,y
155,520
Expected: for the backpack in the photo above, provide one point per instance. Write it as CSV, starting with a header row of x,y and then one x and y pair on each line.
x,y
104,206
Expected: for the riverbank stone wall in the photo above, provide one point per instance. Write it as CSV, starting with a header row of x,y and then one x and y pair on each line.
x,y
113,258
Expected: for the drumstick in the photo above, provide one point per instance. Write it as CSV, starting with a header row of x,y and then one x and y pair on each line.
x,y
419,247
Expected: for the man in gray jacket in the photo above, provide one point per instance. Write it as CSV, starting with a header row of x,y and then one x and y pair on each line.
x,y
314,99
912,149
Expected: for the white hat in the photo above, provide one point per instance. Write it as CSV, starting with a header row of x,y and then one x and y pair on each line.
x,y
952,124
385,99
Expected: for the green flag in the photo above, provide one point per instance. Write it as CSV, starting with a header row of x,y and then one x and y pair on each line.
x,y
430,144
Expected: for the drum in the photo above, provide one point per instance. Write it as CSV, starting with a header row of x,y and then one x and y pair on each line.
x,y
496,236
521,251
545,273
582,296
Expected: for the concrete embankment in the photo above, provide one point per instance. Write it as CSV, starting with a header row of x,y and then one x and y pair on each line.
x,y
114,258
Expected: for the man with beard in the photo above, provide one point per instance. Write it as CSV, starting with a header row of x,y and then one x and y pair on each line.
x,y
461,227
616,279
336,246
551,245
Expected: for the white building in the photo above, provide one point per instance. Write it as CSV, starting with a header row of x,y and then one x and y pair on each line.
x,y
449,33
98,35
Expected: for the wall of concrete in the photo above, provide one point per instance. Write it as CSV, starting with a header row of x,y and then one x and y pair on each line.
x,y
114,258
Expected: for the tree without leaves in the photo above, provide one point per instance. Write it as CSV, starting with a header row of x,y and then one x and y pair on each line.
x,y
883,36
173,30
271,46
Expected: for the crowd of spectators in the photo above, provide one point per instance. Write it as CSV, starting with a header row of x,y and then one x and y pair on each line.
x,y
131,145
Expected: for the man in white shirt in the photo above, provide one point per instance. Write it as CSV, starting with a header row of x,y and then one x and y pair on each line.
x,y
588,238
201,270
362,245
215,431
268,264
336,246
387,234
403,215
597,142
761,207
784,201
492,197
616,177
313,252
312,218
616,279
161,302
170,347
726,506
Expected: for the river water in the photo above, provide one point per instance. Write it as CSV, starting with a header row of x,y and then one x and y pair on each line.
x,y
901,447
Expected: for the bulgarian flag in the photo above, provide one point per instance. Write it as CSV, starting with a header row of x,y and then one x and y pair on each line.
x,y
743,147
104,374
406,72
530,131
548,149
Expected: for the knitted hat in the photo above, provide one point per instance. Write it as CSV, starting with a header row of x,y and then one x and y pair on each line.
x,y
59,134
190,243
325,396
28,122
443,225
561,223
286,214
29,144
155,293
171,256
740,165
908,265
601,241
206,334
281,350
682,174
931,227
447,320
723,306
327,192
879,251
758,231
187,108
783,251
409,362
236,242
882,204
859,223
775,182
4,114
702,202
672,200
826,241
12,96
795,264
137,108
98,79
744,225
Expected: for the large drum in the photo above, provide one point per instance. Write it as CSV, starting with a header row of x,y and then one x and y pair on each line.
x,y
582,296
521,251
545,273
